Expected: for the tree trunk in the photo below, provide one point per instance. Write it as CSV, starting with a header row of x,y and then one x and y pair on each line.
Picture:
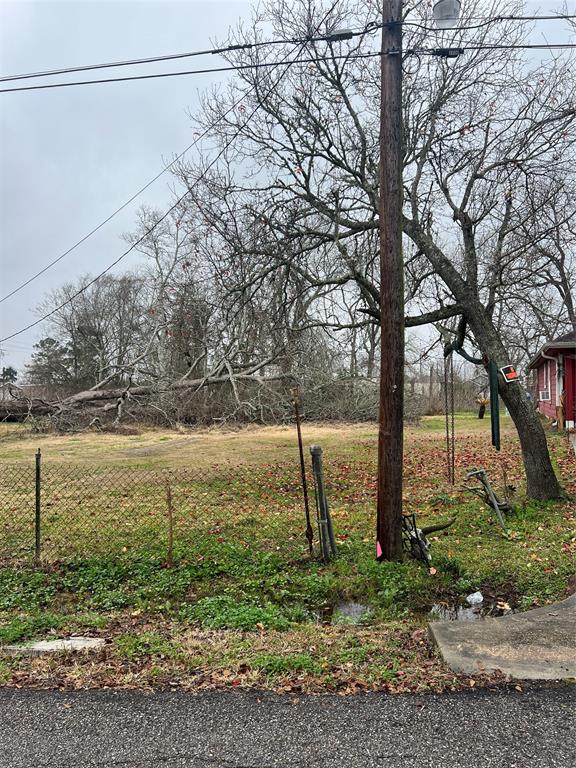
x,y
431,390
372,347
541,482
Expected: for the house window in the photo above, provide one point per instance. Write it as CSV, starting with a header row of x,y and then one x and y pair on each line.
x,y
544,393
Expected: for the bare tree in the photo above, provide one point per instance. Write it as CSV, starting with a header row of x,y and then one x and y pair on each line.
x,y
283,230
480,133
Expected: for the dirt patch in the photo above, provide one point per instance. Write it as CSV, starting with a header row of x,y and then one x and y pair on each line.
x,y
158,449
198,447
244,446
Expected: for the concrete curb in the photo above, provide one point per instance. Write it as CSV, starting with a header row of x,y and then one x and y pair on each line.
x,y
60,645
536,645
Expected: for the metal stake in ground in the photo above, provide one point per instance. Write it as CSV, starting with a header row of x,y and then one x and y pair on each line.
x,y
309,531
494,404
37,542
170,512
327,540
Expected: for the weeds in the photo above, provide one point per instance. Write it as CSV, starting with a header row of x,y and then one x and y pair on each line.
x,y
275,665
137,646
5,673
28,627
243,584
227,613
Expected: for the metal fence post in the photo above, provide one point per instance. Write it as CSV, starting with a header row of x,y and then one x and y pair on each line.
x,y
309,531
37,542
327,540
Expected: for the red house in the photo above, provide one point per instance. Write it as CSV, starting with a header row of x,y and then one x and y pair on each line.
x,y
555,378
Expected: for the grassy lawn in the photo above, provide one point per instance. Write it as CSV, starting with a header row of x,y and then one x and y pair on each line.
x,y
244,605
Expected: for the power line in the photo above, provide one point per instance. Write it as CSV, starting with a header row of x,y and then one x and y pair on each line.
x,y
485,22
210,70
134,62
522,18
124,205
504,47
371,26
127,251
423,51
168,212
310,60
104,271
106,220
121,207
329,37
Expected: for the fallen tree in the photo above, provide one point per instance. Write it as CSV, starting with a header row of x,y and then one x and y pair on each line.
x,y
98,400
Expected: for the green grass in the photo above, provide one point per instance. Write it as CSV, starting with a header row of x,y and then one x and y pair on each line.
x,y
241,569
276,665
136,646
5,672
226,612
28,627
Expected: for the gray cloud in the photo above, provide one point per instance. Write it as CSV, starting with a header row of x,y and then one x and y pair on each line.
x,y
70,157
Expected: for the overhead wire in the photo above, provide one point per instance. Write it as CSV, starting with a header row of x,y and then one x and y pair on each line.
x,y
310,60
114,213
135,62
126,203
371,26
417,51
261,43
485,22
367,29
497,47
159,75
167,213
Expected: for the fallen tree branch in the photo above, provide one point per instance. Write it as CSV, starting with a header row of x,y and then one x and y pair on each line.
x,y
21,407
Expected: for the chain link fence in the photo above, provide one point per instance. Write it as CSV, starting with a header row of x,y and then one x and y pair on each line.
x,y
51,511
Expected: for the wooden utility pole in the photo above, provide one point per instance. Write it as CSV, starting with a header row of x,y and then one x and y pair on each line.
x,y
390,433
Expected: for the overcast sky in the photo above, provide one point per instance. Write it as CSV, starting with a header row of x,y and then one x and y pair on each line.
x,y
70,157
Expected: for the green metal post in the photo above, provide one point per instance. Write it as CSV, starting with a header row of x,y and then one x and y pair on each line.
x,y
494,404
37,541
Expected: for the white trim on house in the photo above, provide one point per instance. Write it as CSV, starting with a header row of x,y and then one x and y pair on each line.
x,y
550,345
544,394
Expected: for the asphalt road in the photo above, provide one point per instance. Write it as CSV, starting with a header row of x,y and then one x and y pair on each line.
x,y
234,729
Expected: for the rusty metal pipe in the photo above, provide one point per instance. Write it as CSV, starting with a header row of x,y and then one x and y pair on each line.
x,y
440,527
309,531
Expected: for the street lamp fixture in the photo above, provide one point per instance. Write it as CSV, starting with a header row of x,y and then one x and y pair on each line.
x,y
446,13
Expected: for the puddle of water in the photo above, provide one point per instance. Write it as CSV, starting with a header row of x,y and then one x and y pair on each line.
x,y
459,612
445,612
350,613
323,615
345,612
